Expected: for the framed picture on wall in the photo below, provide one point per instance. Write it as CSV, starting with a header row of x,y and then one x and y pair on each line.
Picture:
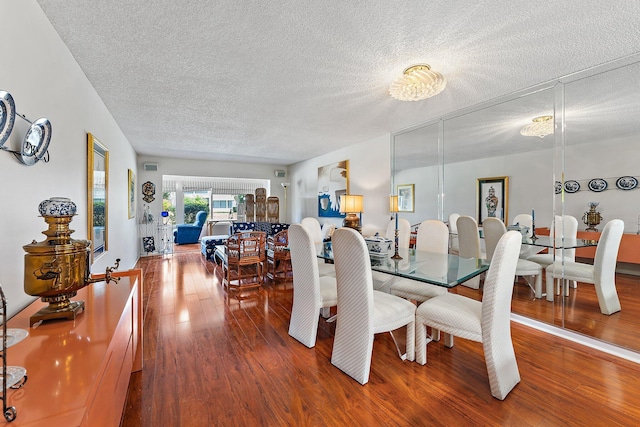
x,y
493,198
132,194
333,182
406,194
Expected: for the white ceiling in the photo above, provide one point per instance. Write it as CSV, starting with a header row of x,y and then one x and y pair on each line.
x,y
283,81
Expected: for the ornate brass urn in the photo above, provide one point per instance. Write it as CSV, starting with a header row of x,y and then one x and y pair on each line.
x,y
57,267
591,218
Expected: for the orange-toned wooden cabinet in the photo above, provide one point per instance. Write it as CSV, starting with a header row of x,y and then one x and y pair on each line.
x,y
78,371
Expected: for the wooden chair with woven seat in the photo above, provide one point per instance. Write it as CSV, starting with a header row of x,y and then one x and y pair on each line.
x,y
243,268
278,257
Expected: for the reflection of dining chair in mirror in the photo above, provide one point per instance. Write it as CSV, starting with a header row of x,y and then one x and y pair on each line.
x,y
312,226
363,312
312,294
494,229
433,236
601,274
469,241
563,226
526,221
487,322
453,230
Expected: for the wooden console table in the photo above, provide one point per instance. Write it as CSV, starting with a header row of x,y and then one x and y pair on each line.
x,y
629,251
78,371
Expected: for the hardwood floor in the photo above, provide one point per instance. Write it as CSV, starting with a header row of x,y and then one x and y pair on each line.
x,y
214,361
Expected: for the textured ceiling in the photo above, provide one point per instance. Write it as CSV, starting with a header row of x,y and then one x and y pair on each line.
x,y
283,81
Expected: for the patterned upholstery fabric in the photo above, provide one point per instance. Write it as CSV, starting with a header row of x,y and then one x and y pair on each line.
x,y
243,226
311,293
363,312
209,243
488,321
601,274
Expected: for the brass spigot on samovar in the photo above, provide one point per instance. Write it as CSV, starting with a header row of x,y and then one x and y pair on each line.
x,y
591,218
56,268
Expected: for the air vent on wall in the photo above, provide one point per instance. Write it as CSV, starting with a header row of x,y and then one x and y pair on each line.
x,y
150,167
280,173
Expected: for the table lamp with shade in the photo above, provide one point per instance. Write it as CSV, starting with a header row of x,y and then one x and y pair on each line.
x,y
393,208
351,204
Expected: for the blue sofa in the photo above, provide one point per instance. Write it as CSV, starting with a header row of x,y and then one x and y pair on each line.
x,y
190,233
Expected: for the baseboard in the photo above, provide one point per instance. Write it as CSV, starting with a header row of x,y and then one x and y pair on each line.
x,y
605,347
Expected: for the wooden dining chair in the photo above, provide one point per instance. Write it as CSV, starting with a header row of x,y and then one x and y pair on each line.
x,y
487,321
363,312
243,266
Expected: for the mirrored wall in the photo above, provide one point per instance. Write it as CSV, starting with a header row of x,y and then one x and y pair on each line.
x,y
595,145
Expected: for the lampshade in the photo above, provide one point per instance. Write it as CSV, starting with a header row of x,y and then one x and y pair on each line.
x,y
418,82
351,203
393,204
541,127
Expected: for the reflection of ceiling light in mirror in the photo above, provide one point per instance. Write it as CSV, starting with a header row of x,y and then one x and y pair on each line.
x,y
418,82
541,127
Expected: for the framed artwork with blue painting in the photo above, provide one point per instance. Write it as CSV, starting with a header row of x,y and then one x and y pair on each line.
x,y
333,182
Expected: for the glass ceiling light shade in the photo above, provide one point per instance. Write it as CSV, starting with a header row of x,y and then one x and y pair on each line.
x,y
418,82
541,127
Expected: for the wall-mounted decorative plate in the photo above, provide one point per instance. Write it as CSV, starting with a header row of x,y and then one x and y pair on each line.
x,y
7,115
36,142
597,185
558,187
149,190
571,186
626,183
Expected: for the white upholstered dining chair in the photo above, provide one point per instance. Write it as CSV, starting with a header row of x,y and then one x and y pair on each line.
x,y
469,244
312,226
433,236
494,229
601,274
363,312
563,226
487,322
312,294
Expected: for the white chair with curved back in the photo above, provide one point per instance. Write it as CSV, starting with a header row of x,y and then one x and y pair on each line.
x,y
315,231
363,312
494,229
487,322
433,236
566,226
601,274
312,293
453,230
469,244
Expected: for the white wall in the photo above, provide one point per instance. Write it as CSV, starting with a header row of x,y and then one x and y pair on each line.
x,y
369,175
40,73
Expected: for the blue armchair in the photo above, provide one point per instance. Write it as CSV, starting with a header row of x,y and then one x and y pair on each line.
x,y
190,233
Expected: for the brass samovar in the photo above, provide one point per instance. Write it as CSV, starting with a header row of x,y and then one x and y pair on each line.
x,y
591,218
56,268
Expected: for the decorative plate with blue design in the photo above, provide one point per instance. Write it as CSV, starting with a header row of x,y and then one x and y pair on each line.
x,y
626,183
558,187
7,115
597,185
571,186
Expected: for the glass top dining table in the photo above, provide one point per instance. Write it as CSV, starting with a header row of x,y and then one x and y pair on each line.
x,y
558,243
437,269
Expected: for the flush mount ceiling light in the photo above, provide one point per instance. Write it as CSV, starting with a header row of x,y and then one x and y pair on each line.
x,y
541,127
418,82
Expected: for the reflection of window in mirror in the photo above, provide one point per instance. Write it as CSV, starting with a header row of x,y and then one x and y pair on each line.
x,y
97,200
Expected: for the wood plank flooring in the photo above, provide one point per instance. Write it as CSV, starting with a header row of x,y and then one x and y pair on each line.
x,y
210,360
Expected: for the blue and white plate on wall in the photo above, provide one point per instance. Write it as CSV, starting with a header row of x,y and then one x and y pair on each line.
x,y
626,183
558,187
597,185
571,186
